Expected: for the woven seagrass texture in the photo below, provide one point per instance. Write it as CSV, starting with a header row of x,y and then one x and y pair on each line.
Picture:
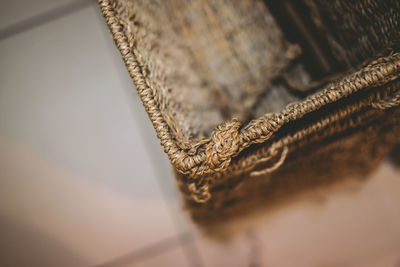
x,y
206,70
358,30
318,165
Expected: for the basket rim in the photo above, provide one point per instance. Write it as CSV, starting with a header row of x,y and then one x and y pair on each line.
x,y
213,155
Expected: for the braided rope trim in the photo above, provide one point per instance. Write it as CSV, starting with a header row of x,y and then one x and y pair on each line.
x,y
388,101
342,119
213,155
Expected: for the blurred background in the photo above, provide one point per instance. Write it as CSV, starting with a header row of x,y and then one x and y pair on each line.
x,y
84,181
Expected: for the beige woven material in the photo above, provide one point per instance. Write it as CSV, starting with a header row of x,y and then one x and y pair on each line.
x,y
345,158
211,76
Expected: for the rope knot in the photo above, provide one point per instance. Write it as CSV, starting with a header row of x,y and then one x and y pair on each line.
x,y
200,194
224,143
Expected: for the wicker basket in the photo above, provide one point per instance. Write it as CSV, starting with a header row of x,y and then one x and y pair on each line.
x,y
235,99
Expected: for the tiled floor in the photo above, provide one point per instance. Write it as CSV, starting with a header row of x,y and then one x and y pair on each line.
x,y
84,182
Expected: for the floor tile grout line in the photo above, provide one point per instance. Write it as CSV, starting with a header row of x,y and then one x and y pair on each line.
x,y
179,239
190,251
43,18
152,250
